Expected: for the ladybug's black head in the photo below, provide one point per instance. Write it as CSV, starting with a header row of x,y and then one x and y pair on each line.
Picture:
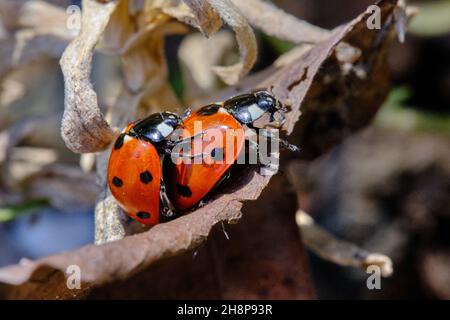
x,y
248,108
156,127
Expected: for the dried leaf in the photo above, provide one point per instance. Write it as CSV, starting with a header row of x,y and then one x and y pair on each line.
x,y
24,162
10,91
63,186
32,40
275,22
197,57
145,67
12,136
245,38
332,108
84,128
343,253
123,258
208,20
42,15
238,265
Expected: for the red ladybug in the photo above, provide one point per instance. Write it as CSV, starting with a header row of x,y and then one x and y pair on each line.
x,y
134,169
188,183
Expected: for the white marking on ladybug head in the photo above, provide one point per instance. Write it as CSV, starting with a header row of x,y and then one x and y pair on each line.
x,y
127,138
165,129
223,110
255,111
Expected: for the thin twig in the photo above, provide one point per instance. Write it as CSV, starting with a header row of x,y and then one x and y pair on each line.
x,y
340,252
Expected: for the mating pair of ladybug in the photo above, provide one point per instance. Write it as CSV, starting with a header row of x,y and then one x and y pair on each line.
x,y
150,194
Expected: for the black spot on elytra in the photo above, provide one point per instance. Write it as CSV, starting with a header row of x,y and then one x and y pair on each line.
x,y
146,177
117,182
209,110
119,141
143,215
184,191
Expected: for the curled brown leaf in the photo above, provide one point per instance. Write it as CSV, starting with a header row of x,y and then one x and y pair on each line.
x,y
208,20
245,37
84,128
120,259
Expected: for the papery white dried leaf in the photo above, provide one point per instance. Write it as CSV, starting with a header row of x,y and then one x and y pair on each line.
x,y
41,34
43,15
292,55
245,37
64,186
87,162
145,63
207,19
340,252
197,56
27,161
84,128
129,28
10,91
275,22
35,44
10,137
119,29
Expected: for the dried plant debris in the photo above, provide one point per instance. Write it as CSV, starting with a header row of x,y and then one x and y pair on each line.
x,y
197,56
241,265
84,128
275,22
29,39
343,253
120,259
388,190
136,33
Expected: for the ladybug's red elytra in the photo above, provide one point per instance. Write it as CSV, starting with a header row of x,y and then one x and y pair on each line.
x,y
135,174
188,183
134,169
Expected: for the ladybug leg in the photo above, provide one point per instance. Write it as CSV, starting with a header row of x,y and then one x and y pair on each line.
x,y
269,168
268,134
225,177
186,114
170,146
253,145
204,201
165,147
185,140
280,120
201,204
192,157
283,143
167,210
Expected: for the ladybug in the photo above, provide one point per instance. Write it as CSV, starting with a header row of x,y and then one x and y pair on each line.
x,y
188,183
134,168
